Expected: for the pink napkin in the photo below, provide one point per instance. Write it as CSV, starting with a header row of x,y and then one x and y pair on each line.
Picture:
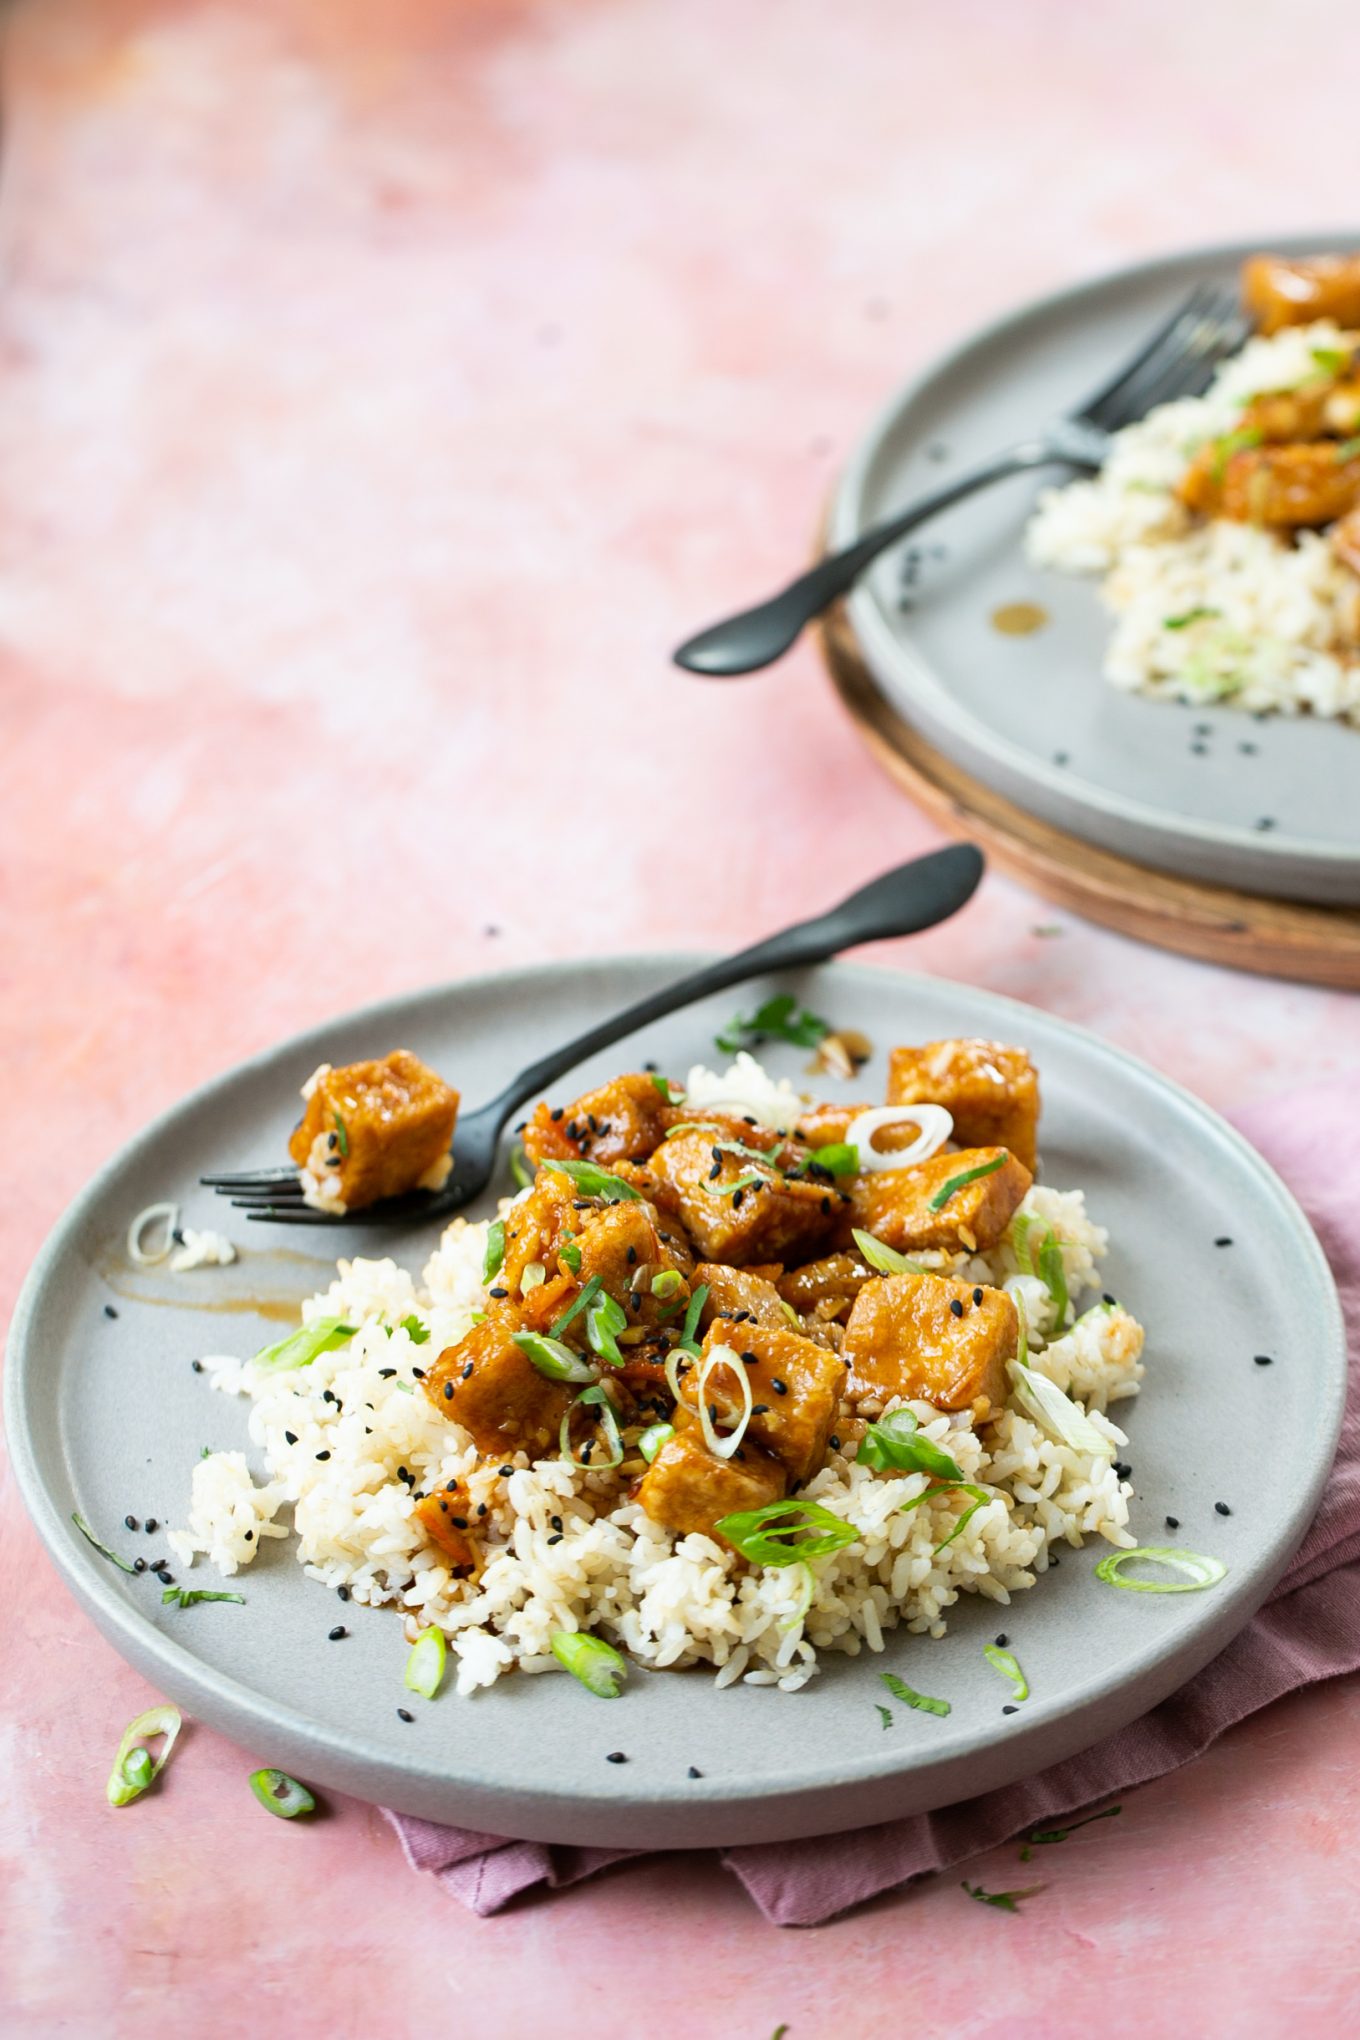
x,y
1308,1630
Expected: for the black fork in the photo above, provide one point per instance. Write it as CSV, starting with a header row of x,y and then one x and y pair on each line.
x,y
914,896
1178,360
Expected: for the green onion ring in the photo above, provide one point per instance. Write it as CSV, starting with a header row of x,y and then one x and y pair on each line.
x,y
1202,1570
127,1784
280,1794
425,1666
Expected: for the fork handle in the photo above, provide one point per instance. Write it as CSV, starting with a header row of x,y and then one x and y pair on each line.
x,y
914,896
757,637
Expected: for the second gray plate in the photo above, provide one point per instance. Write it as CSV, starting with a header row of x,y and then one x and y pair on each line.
x,y
1266,807
107,1416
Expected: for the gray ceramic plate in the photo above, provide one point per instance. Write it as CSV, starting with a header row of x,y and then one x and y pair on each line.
x,y
107,1416
1156,781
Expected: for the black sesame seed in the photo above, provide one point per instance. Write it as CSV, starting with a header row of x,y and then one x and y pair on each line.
x,y
342,1593
250,1536
1009,1709
448,1391
498,1291
1247,750
166,1579
715,1172
632,1255
556,1522
419,1373
1002,1640
335,1635
1225,1241
1060,757
616,1757
1200,750
955,1306
386,1373
459,1522
750,1359
1173,1522
1123,1469
977,1296
139,1565
760,1409
323,1455
151,1525
290,1437
1266,822
835,1444
109,1310
738,1198
1107,1298
779,1387
467,1371
405,1714
132,1523
1222,1508
505,1471
694,1772
1262,1359
556,1537
197,1366
826,1204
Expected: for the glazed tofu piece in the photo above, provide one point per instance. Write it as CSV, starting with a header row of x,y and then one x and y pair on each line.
x,y
1281,290
686,1489
837,1280
905,1338
731,1290
536,1230
445,1517
732,1218
795,1387
991,1090
373,1129
492,1388
1346,541
896,1205
621,1121
1279,488
623,1245
825,1125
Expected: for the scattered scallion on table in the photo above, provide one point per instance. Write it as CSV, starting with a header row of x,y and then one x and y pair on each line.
x,y
1043,1837
134,1768
279,1794
1005,1901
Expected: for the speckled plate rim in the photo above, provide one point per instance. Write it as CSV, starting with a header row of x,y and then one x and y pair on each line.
x,y
1107,1699
915,677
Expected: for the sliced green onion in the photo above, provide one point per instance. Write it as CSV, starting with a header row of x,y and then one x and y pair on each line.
x,y
534,1276
494,1257
909,1697
571,1254
698,1298
1347,449
600,1668
122,1563
341,1134
840,1159
694,1126
980,1501
519,1168
1187,617
667,1283
417,1332
425,1666
880,1255
738,1183
1045,1404
779,1019
189,1597
955,1183
280,1794
582,1301
653,1438
593,1396
662,1084
884,1714
675,1360
1200,1571
1233,442
605,1319
1042,1837
597,1182
787,1532
895,1444
804,1601
1009,1667
1053,1275
723,1356
304,1345
133,1766
1046,1263
552,1358
1007,1901
1332,361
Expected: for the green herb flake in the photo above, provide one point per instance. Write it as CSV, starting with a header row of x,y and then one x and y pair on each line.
x,y
122,1563
605,1319
341,1135
571,1254
553,1360
956,1183
884,1714
304,1345
493,1260
909,1697
582,1301
1231,443
1005,1901
786,1532
840,1159
519,1168
594,1181
1009,1667
779,1019
417,1332
894,1444
1042,1837
662,1084
1187,617
878,1254
666,1283
653,1438
698,1298
189,1597
596,1664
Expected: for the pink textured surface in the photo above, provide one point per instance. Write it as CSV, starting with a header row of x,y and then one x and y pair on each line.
x,y
382,391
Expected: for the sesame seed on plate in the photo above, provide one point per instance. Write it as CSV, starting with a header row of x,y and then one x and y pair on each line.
x,y
1222,1509
337,1634
616,1757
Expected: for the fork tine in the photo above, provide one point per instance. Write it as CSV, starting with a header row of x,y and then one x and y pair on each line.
x,y
1188,310
267,1193
248,1179
1184,367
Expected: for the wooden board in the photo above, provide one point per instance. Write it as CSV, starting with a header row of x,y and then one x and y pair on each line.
x,y
1278,938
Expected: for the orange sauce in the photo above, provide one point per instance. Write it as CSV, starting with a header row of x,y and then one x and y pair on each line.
x,y
1018,619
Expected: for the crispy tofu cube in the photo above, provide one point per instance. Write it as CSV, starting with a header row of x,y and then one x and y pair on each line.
x,y
738,1289
373,1129
991,1090
686,1489
621,1121
895,1205
730,1218
622,1244
445,1517
837,1280
1283,290
795,1386
492,1388
826,1124
905,1339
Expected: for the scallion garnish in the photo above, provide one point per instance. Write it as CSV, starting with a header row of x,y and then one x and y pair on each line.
x,y
895,1444
965,1487
723,1356
1008,1665
425,1666
653,1438
494,1257
281,1794
581,1301
600,1668
1045,1261
571,1254
415,1330
1008,1901
1187,617
1046,1405
840,1159
698,1298
1233,442
955,1183
103,1549
189,1597
341,1134
519,1168
1332,361
1041,1837
909,1697
668,1282
597,1182
739,1183
1200,1570
552,1359
605,1319
593,1397
534,1276
304,1345
800,1607
1347,449
134,1768
884,1714
662,1084
779,1019
884,1258
787,1532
